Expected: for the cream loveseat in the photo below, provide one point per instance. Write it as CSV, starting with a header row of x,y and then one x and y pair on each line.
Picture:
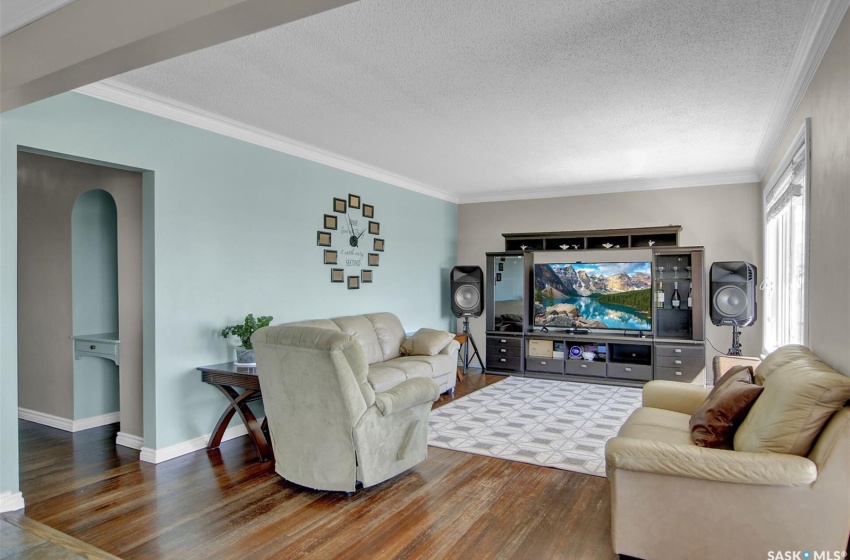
x,y
329,427
381,336
671,499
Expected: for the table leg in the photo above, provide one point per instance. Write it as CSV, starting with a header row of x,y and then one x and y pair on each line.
x,y
239,403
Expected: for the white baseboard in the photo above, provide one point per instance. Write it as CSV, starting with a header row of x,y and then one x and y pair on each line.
x,y
149,455
11,501
66,423
95,421
129,440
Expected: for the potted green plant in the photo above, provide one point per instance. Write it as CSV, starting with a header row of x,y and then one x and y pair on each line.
x,y
245,352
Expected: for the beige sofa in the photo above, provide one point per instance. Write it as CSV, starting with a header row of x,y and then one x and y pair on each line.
x,y
671,499
329,428
381,336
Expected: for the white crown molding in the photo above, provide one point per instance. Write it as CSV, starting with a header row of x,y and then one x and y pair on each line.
x,y
67,424
35,9
619,187
821,24
133,98
11,501
129,440
149,455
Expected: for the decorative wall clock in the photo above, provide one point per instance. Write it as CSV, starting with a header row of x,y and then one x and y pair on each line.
x,y
350,231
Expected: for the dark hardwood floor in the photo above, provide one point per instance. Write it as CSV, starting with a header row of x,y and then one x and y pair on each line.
x,y
226,504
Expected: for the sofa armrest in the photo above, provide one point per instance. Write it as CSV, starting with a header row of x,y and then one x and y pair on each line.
x,y
719,465
675,396
406,394
721,364
452,346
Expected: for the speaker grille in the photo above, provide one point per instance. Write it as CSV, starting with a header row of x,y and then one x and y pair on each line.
x,y
467,297
730,301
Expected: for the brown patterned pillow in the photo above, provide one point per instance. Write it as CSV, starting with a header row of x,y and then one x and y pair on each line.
x,y
715,421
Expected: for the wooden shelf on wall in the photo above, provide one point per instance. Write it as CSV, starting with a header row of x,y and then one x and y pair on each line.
x,y
663,236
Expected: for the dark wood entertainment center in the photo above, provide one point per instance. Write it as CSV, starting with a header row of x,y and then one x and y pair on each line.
x,y
673,349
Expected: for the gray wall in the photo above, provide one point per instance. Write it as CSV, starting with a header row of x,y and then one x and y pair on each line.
x,y
827,102
47,191
723,219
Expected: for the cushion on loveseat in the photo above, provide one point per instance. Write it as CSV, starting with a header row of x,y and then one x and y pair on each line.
x,y
779,358
426,342
798,399
361,328
659,425
384,375
389,332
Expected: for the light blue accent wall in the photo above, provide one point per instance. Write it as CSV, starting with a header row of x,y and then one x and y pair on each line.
x,y
94,286
229,228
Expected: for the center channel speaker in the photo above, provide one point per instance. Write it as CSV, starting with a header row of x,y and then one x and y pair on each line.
x,y
732,293
467,291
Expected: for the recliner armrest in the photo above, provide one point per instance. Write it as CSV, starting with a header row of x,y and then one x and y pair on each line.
x,y
406,394
675,396
719,465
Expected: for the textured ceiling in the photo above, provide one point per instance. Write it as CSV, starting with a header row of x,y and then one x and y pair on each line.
x,y
491,98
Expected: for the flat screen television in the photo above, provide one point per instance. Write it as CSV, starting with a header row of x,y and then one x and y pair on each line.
x,y
604,295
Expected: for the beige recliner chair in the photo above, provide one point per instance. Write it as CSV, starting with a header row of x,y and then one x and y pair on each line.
x,y
329,428
671,499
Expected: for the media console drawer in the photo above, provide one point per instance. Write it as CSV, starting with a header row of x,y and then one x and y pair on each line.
x,y
585,367
545,365
680,351
679,374
508,364
504,341
630,371
689,364
504,351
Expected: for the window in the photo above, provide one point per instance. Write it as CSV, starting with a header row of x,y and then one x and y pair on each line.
x,y
786,247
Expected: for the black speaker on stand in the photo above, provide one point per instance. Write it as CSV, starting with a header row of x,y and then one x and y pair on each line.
x,y
467,285
732,297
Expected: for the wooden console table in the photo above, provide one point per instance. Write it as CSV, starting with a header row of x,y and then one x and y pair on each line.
x,y
226,377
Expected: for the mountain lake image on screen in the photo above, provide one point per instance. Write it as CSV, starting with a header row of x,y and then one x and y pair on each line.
x,y
593,295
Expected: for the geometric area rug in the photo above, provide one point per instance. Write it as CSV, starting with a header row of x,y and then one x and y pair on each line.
x,y
557,424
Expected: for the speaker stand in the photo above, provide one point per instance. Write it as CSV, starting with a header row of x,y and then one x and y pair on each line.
x,y
735,349
467,359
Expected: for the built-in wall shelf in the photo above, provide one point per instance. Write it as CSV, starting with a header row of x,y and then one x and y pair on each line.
x,y
662,236
103,345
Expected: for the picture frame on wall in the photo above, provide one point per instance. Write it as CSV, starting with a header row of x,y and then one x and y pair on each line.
x,y
353,282
337,275
498,277
323,239
330,221
330,256
339,206
368,211
501,267
353,201
378,245
374,259
366,276
374,228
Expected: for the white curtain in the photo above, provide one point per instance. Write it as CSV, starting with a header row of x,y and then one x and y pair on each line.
x,y
786,248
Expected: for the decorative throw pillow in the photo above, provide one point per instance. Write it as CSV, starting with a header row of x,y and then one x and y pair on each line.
x,y
799,399
426,342
715,421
